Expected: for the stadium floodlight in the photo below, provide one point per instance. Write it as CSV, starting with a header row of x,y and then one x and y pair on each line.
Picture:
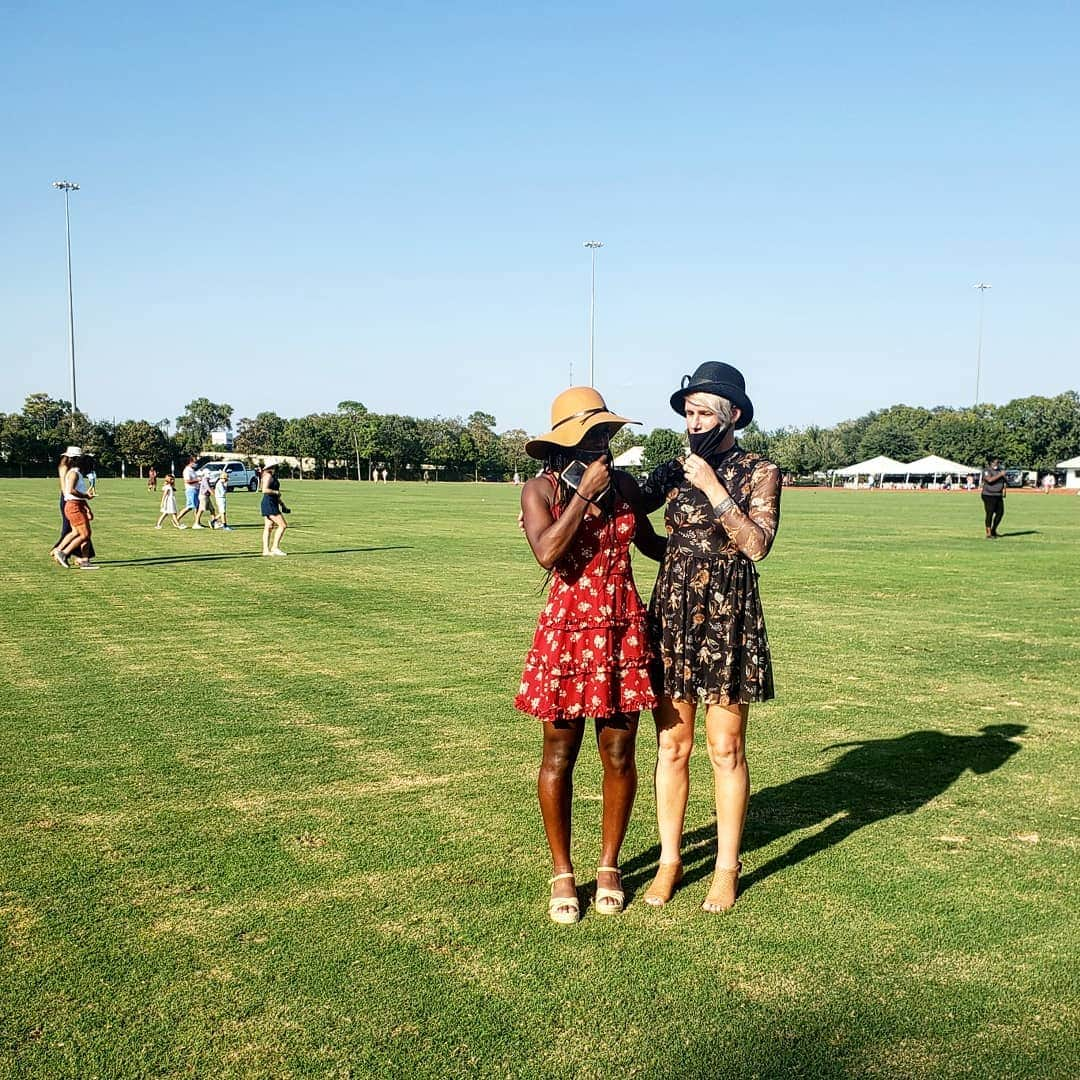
x,y
67,187
982,287
594,246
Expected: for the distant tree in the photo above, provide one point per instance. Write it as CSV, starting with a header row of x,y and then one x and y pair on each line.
x,y
45,413
790,449
482,446
661,445
1039,431
755,440
626,438
200,418
351,427
141,443
967,436
513,450
261,435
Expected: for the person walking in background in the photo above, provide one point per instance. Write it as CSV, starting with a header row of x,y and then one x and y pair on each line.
x,y
67,459
168,503
273,511
221,496
79,515
203,498
191,491
722,514
91,475
151,479
993,497
590,653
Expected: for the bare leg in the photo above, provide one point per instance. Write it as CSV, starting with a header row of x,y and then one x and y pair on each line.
x,y
267,526
674,742
278,534
615,739
725,726
555,787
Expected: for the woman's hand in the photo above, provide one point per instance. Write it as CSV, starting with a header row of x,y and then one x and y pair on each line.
x,y
596,479
700,473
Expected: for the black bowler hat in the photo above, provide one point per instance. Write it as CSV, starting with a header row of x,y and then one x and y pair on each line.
x,y
712,377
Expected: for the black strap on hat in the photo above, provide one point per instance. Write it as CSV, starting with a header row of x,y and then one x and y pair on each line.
x,y
579,415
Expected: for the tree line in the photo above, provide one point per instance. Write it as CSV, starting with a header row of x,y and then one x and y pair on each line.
x,y
1031,432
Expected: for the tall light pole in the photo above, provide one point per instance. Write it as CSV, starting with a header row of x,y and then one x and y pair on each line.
x,y
67,187
982,287
594,246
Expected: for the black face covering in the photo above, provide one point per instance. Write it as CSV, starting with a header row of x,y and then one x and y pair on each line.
x,y
706,444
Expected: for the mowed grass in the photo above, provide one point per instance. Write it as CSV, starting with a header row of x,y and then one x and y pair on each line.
x,y
277,818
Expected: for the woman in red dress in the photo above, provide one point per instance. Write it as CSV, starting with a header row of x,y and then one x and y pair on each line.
x,y
590,655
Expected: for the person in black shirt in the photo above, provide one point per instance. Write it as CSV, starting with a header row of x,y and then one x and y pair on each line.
x,y
993,497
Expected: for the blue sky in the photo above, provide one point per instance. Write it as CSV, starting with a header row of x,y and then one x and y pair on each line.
x,y
284,206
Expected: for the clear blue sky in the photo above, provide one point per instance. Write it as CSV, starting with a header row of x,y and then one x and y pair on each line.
x,y
284,206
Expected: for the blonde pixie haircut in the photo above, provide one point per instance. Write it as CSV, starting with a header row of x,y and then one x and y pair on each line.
x,y
719,405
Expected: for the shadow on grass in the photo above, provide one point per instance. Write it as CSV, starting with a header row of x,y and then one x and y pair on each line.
x,y
1024,532
210,556
872,781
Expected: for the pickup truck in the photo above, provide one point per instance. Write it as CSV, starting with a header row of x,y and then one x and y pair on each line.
x,y
237,474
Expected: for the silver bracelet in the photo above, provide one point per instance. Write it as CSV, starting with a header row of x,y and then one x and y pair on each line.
x,y
722,507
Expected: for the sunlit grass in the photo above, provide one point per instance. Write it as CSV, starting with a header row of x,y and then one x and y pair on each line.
x,y
276,817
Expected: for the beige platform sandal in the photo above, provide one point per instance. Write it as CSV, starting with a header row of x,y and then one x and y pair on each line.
x,y
564,910
609,894
668,875
724,889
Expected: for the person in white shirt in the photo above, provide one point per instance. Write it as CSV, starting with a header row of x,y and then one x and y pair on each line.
x,y
191,491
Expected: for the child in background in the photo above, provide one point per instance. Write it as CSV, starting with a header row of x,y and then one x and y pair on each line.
x,y
221,494
168,503
204,501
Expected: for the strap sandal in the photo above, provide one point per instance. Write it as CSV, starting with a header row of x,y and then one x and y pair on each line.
x,y
668,875
564,910
724,889
616,895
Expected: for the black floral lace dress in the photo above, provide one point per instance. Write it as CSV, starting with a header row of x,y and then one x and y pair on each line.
x,y
705,615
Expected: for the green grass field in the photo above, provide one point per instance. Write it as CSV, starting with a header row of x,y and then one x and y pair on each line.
x,y
276,817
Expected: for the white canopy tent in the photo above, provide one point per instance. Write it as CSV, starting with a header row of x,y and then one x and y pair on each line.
x,y
1072,472
879,467
932,465
630,459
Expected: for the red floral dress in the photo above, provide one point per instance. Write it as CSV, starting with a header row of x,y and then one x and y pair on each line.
x,y
590,654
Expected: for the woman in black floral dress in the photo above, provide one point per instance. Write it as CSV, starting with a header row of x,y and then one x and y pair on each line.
x,y
723,509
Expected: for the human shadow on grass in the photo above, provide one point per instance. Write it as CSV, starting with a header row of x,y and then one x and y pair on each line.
x,y
872,781
215,556
1022,532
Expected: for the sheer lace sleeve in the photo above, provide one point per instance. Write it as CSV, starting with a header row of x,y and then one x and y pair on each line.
x,y
753,532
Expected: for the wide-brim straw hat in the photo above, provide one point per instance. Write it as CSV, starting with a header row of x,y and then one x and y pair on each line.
x,y
574,413
725,381
73,451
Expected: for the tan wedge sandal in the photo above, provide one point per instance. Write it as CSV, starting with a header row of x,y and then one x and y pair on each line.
x,y
724,889
564,910
668,875
609,894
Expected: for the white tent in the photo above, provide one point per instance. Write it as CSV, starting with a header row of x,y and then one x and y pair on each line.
x,y
932,465
1072,471
879,467
630,459
876,466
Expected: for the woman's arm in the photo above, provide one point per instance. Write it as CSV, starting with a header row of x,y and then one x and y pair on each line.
x,y
646,539
752,532
549,537
659,482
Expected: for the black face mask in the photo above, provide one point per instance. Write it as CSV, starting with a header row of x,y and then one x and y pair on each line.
x,y
706,444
